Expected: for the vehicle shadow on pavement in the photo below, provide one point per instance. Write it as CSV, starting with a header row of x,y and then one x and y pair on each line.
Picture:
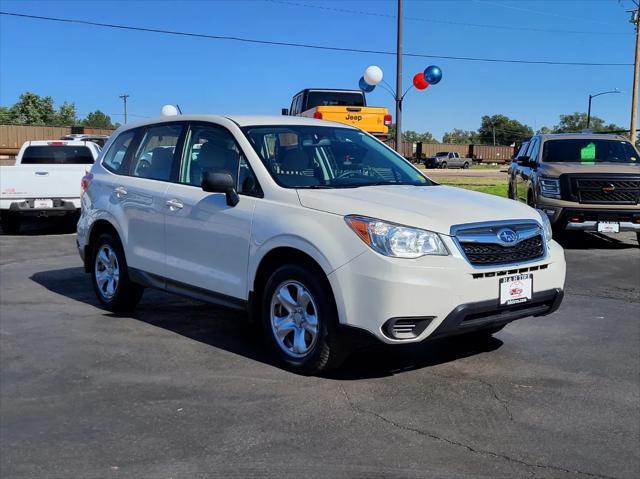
x,y
577,240
45,226
382,361
233,332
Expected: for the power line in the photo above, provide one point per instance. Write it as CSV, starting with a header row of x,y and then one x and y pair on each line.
x,y
444,22
305,45
538,12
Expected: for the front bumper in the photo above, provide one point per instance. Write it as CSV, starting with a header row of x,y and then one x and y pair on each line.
x,y
373,289
563,215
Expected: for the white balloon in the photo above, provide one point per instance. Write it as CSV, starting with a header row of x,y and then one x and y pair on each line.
x,y
169,110
373,75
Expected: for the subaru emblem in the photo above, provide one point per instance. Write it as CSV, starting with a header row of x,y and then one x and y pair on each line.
x,y
507,235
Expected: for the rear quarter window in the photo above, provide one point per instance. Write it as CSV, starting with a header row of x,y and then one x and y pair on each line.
x,y
57,155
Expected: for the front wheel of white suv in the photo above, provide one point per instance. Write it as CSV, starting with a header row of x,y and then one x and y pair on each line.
x,y
299,321
110,276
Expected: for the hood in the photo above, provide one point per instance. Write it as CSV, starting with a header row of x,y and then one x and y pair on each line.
x,y
557,169
433,208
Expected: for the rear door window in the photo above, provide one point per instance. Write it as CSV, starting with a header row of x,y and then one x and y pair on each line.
x,y
154,158
57,155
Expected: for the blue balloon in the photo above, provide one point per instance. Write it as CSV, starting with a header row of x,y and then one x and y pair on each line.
x,y
433,74
364,86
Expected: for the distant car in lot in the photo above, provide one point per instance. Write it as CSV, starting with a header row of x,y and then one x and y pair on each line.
x,y
45,181
447,159
317,230
99,140
583,182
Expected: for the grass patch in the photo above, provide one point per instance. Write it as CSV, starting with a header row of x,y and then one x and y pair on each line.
x,y
492,186
498,190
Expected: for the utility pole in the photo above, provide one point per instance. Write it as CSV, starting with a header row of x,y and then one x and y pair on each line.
x,y
399,81
635,19
124,99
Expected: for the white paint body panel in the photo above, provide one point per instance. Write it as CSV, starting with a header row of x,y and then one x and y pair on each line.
x,y
219,248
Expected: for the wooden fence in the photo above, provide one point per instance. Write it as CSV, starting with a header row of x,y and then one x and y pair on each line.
x,y
13,136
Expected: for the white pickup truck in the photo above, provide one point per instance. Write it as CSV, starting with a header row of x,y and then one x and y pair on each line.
x,y
45,181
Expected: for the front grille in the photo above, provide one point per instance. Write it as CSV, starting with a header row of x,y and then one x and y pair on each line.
x,y
608,191
482,254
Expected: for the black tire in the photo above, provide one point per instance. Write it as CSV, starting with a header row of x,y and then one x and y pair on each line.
x,y
126,294
328,350
71,221
443,165
10,223
530,201
466,165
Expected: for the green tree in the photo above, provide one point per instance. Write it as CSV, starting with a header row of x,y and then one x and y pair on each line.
x,y
5,115
576,122
66,114
97,119
414,137
460,137
507,130
32,109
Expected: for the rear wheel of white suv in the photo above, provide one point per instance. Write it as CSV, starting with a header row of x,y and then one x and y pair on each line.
x,y
110,276
299,321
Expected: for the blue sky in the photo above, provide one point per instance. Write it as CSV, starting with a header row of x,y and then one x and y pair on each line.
x,y
91,66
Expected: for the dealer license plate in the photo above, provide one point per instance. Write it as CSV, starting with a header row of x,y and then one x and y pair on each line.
x,y
41,204
608,227
516,289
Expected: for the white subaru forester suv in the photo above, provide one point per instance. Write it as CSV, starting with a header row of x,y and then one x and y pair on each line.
x,y
317,229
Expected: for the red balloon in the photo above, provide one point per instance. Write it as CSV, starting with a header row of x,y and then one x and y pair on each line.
x,y
419,82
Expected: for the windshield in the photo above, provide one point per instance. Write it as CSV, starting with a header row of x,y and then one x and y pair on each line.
x,y
329,157
334,98
589,150
67,155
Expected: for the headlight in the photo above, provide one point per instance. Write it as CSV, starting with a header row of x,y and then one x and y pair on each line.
x,y
550,187
546,225
395,240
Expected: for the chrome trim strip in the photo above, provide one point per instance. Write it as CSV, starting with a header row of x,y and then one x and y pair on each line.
x,y
491,237
593,226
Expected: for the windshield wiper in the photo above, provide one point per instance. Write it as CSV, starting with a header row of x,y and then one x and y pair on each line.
x,y
394,183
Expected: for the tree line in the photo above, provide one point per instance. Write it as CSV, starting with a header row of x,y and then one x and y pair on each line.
x,y
502,130
33,109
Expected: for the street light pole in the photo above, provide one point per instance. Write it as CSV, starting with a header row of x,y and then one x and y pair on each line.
x,y
591,97
124,99
634,93
399,81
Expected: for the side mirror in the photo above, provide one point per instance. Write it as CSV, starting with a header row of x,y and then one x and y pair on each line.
x,y
526,161
220,183
285,111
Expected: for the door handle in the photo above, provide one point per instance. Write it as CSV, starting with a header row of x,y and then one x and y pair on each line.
x,y
120,192
175,204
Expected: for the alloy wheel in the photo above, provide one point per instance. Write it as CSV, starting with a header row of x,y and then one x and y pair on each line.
x,y
107,272
294,319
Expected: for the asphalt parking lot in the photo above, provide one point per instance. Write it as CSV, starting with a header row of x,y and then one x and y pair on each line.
x,y
182,389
